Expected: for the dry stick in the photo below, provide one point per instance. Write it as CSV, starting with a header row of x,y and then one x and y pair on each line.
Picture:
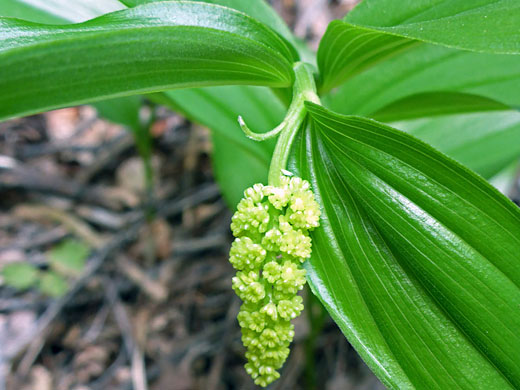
x,y
72,223
37,150
122,144
13,174
121,239
220,358
5,368
156,291
46,238
102,381
138,370
31,354
97,325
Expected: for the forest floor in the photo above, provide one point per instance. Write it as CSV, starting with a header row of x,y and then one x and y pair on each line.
x,y
152,308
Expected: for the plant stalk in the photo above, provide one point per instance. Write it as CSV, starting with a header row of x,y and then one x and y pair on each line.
x,y
304,90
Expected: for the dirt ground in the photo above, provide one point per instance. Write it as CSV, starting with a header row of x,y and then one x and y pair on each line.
x,y
153,307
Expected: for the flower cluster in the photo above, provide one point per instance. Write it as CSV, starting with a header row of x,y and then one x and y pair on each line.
x,y
271,226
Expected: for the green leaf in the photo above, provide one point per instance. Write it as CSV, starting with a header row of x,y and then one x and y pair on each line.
x,y
257,9
149,48
345,51
53,284
69,257
484,142
429,104
124,110
378,29
424,71
479,25
57,11
416,258
238,162
430,69
262,12
20,275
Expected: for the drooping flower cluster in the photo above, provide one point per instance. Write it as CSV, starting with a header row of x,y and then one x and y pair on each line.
x,y
271,227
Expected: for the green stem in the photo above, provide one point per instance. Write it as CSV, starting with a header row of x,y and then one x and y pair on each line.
x,y
304,90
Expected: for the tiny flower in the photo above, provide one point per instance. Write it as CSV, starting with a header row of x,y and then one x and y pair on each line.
x,y
276,356
251,320
255,193
264,380
270,311
278,196
269,338
272,239
247,287
254,292
296,243
250,217
289,309
245,254
292,278
271,271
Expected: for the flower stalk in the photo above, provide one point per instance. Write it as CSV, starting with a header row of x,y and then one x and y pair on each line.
x,y
304,89
271,226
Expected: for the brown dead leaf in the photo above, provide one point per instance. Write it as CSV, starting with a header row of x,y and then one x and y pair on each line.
x,y
61,124
90,363
41,379
162,235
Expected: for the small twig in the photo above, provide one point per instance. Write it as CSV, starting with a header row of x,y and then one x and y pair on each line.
x,y
200,244
72,223
92,267
31,151
5,368
138,369
102,381
115,148
13,174
97,325
30,355
202,195
104,218
220,358
150,287
46,238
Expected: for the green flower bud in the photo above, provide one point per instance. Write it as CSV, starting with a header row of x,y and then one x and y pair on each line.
x,y
251,217
296,243
245,254
252,320
247,287
255,193
270,311
278,196
272,271
271,225
289,309
272,239
269,338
